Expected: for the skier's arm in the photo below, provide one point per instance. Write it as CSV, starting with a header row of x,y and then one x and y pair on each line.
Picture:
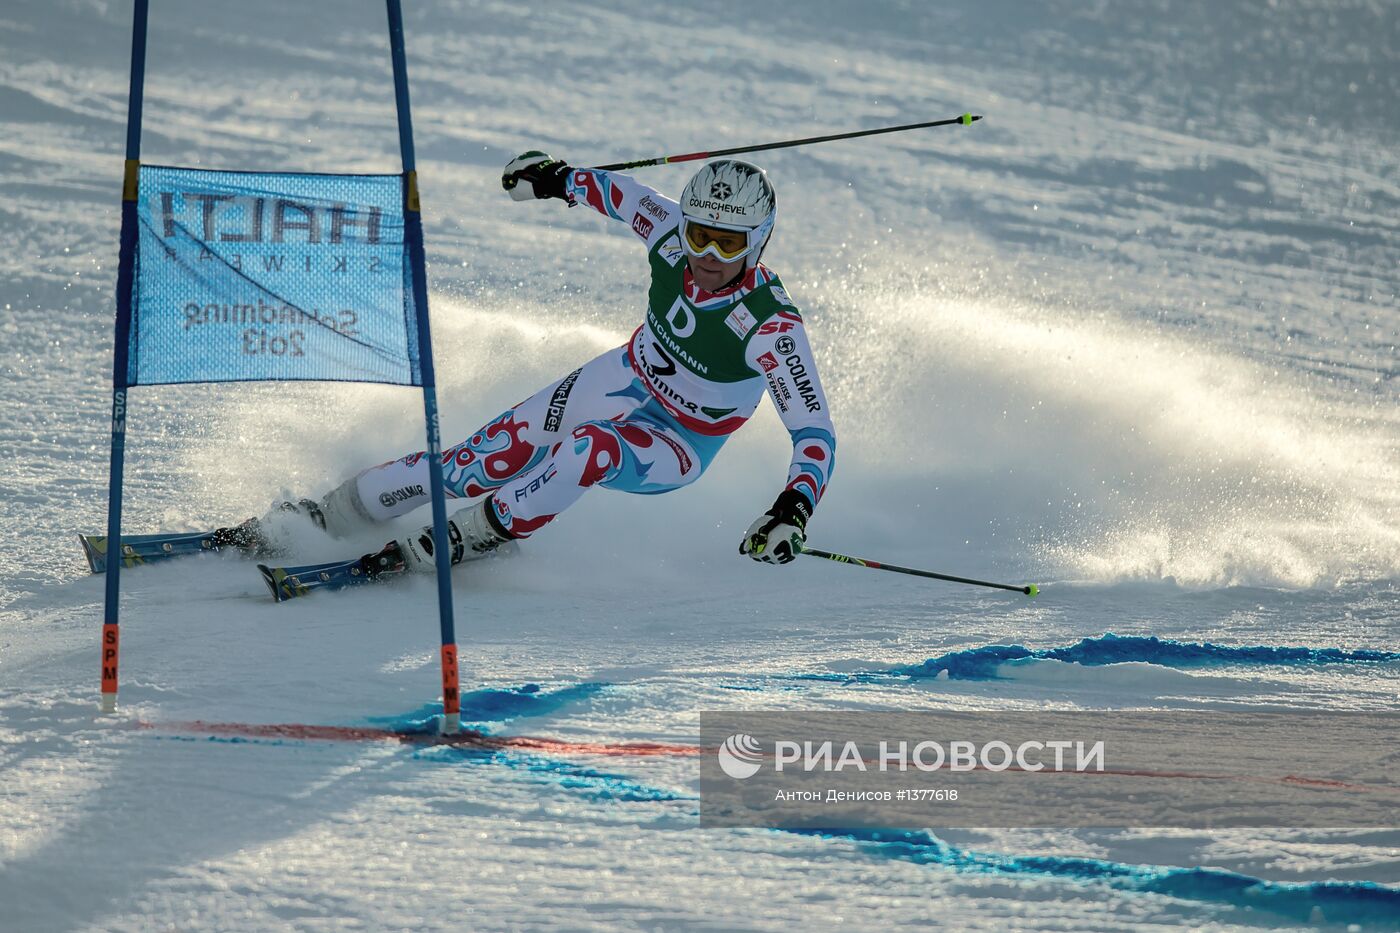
x,y
782,353
650,214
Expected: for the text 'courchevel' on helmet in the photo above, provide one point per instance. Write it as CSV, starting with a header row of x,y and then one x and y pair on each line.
x,y
727,211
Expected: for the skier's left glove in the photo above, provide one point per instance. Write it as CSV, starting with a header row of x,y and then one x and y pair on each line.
x,y
534,174
777,537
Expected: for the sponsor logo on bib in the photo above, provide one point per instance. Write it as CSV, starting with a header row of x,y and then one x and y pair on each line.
x,y
740,321
671,250
681,319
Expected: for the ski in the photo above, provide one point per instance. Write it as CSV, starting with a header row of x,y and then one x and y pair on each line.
x,y
290,582
145,549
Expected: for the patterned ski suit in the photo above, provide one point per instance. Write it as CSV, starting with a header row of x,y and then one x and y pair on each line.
x,y
646,417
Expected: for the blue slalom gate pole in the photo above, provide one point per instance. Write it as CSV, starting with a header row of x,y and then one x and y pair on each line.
x,y
413,236
126,269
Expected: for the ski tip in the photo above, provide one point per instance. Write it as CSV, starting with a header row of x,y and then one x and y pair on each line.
x,y
95,550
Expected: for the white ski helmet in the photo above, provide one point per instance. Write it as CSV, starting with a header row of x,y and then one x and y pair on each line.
x,y
728,196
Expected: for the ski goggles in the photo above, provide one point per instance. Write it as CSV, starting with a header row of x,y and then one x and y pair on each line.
x,y
724,243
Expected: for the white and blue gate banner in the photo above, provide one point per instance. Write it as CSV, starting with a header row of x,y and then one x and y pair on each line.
x,y
271,276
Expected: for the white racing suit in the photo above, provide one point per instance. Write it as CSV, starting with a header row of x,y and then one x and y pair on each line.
x,y
646,417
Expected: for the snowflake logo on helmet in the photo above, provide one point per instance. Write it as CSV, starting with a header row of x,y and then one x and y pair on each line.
x,y
721,190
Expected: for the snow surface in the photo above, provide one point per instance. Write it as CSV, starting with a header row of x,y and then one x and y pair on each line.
x,y
1132,337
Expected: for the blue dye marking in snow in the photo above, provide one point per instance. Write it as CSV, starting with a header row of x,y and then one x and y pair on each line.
x,y
494,705
854,677
599,785
1364,903
982,663
482,706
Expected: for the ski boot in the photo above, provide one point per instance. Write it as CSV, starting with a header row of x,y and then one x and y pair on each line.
x,y
472,533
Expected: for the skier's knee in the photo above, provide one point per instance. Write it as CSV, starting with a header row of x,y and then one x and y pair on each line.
x,y
598,448
502,450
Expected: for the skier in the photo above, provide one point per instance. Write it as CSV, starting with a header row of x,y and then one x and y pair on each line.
x,y
646,417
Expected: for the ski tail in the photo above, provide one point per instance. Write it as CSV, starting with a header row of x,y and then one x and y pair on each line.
x,y
276,579
95,550
290,582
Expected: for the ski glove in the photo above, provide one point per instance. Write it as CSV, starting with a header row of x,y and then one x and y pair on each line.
x,y
777,537
534,174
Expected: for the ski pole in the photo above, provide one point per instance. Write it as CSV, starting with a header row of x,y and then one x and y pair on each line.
x,y
1030,589
966,120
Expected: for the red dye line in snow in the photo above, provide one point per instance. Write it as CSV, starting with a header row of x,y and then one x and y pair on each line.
x,y
472,739
464,739
1322,783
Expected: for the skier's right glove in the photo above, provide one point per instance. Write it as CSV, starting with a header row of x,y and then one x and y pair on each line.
x,y
778,536
534,174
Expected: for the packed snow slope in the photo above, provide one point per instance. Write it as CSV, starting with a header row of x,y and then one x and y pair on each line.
x,y
1132,337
